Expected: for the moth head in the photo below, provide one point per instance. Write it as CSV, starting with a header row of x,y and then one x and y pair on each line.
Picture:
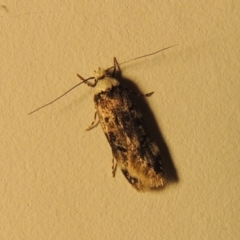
x,y
100,73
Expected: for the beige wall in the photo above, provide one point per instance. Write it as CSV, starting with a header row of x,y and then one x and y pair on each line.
x,y
55,179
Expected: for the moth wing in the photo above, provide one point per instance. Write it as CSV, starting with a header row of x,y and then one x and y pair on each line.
x,y
135,152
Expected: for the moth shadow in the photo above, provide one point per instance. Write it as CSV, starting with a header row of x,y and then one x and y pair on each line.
x,y
152,126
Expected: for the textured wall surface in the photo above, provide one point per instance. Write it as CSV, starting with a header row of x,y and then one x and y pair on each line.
x,y
55,179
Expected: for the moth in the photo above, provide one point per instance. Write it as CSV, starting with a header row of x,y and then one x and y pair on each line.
x,y
133,149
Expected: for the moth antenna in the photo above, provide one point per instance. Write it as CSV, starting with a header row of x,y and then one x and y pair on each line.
x,y
146,55
60,96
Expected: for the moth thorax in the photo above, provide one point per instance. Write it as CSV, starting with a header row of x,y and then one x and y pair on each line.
x,y
105,84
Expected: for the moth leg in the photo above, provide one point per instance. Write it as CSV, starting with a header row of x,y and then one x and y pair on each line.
x,y
93,124
88,83
114,167
140,94
116,66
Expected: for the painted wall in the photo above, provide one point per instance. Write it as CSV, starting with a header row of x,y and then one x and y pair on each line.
x,y
56,180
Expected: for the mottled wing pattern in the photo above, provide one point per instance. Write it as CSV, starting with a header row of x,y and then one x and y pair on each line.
x,y
133,149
